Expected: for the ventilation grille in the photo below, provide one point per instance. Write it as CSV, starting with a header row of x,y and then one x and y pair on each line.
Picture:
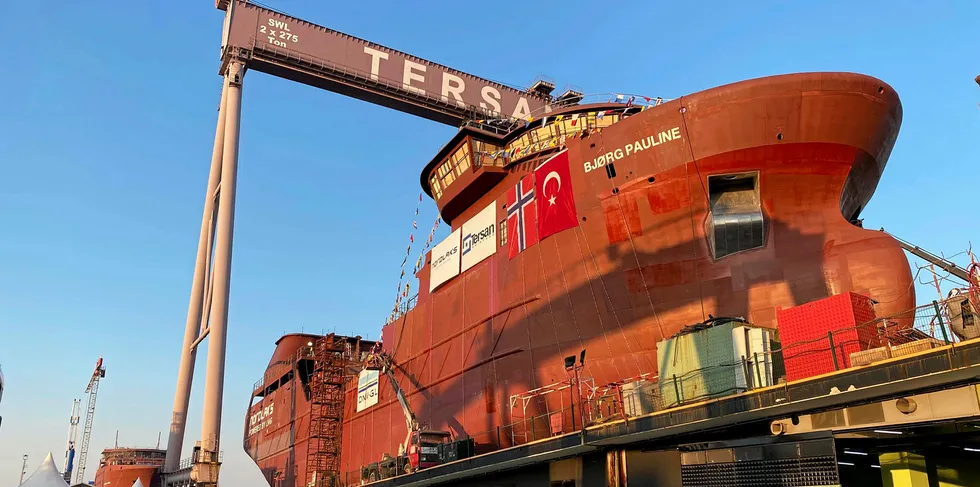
x,y
794,472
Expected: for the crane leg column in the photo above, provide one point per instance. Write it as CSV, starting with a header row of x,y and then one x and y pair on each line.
x,y
224,233
188,353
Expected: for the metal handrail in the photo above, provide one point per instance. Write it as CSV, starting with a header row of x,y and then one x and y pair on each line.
x,y
403,308
505,126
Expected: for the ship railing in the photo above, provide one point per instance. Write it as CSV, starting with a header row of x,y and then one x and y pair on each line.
x,y
535,416
188,462
622,102
403,308
278,370
904,333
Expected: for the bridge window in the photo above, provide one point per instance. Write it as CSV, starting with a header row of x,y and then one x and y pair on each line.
x,y
483,154
454,166
434,185
606,120
460,159
735,222
446,174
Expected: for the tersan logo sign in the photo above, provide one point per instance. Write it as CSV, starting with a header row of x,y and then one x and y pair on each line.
x,y
479,237
473,239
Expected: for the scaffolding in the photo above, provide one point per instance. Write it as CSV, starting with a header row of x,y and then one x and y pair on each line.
x,y
330,356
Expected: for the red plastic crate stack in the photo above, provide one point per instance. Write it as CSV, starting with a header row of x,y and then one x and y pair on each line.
x,y
803,333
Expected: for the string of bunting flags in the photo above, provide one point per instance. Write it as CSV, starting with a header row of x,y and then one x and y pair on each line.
x,y
428,242
408,251
403,291
559,140
618,97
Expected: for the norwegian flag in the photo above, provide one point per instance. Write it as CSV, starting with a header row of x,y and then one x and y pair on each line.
x,y
522,231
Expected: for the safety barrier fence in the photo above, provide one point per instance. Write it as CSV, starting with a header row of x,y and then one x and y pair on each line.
x,y
573,405
186,463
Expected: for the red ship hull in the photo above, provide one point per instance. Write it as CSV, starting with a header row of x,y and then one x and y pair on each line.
x,y
642,263
123,466
114,475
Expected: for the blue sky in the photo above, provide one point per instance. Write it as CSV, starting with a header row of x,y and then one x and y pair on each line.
x,y
107,121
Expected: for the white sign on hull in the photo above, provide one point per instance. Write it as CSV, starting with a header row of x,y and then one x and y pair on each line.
x,y
479,237
445,260
367,389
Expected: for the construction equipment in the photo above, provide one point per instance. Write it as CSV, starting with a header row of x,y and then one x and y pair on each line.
x,y
961,304
23,470
326,410
76,409
93,391
422,448
931,258
1,392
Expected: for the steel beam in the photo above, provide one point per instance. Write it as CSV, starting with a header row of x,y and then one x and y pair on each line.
x,y
224,234
188,352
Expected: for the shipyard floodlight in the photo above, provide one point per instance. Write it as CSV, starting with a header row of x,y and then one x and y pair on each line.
x,y
570,361
574,382
542,86
570,97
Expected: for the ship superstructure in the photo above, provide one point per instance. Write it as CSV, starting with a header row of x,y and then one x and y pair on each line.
x,y
124,466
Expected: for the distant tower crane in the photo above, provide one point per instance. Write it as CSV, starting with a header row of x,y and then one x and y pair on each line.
x,y
93,391
1,390
76,409
23,470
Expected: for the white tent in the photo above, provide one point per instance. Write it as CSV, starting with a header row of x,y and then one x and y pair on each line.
x,y
139,483
47,475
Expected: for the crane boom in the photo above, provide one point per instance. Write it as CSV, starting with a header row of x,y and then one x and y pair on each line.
x,y
411,421
934,259
93,391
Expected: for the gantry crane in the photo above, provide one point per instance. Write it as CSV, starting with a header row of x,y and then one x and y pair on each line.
x,y
93,391
256,38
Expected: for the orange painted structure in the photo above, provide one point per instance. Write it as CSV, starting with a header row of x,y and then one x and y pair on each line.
x,y
734,201
122,466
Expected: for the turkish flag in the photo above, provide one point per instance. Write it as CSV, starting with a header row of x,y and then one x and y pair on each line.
x,y
553,190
